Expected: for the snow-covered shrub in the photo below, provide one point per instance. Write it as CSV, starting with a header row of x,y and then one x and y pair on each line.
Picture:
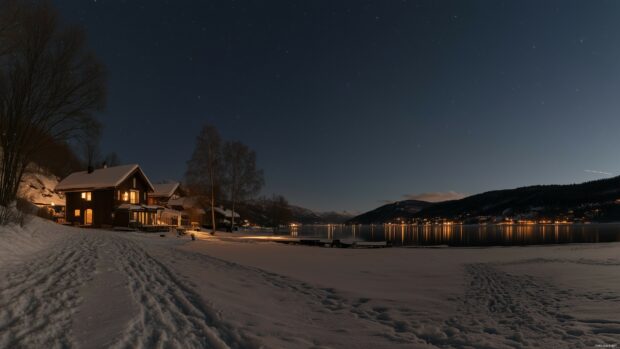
x,y
18,212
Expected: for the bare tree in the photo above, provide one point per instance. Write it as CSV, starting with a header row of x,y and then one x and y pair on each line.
x,y
58,158
10,15
89,141
241,178
49,86
203,174
112,159
280,212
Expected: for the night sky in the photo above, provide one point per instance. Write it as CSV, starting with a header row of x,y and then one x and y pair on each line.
x,y
352,103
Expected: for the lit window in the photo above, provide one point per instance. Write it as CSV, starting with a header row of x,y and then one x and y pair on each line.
x,y
76,213
134,197
87,195
125,196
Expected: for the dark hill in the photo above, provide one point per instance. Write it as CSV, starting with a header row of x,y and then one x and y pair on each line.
x,y
544,199
306,216
390,212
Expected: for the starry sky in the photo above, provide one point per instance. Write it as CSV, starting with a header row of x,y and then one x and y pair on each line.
x,y
353,103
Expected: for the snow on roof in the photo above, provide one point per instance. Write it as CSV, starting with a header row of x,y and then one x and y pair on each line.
x,y
130,207
185,202
226,212
192,203
109,177
164,189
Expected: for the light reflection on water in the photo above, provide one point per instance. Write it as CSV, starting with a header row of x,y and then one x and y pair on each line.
x,y
465,235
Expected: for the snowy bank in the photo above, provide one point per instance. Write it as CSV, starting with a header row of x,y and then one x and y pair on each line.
x,y
19,243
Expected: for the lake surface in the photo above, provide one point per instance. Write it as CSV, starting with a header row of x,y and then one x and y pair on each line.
x,y
465,235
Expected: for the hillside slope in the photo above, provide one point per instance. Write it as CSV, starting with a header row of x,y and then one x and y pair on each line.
x,y
398,210
543,199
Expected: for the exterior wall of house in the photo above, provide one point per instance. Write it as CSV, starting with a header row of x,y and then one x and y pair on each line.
x,y
101,204
103,207
121,218
202,217
74,202
128,185
159,201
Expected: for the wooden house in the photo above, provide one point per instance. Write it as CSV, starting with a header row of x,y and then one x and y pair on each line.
x,y
109,197
196,214
192,212
164,192
161,196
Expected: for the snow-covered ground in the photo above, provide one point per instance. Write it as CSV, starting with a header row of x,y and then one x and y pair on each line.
x,y
70,287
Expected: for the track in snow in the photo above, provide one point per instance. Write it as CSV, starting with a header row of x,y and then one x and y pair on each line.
x,y
503,310
39,298
171,314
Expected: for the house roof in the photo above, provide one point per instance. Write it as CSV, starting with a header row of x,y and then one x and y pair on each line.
x,y
192,202
184,202
130,207
101,178
164,189
225,212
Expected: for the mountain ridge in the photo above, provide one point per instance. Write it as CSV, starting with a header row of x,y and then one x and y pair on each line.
x,y
404,209
592,200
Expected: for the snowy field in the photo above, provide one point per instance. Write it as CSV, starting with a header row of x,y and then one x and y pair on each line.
x,y
70,287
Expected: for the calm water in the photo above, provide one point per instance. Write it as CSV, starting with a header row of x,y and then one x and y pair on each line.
x,y
465,235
